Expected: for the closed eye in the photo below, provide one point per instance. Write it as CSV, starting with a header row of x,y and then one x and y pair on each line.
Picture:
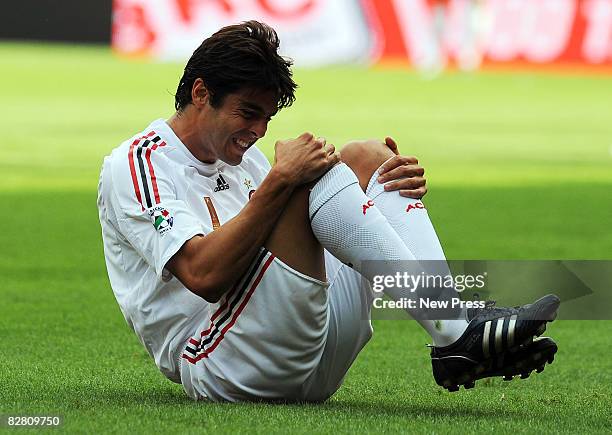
x,y
248,114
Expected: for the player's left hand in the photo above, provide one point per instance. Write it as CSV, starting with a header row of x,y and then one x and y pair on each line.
x,y
403,173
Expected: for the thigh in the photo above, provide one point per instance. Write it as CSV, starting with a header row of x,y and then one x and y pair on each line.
x,y
349,330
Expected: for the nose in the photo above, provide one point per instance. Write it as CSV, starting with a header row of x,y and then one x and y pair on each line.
x,y
259,128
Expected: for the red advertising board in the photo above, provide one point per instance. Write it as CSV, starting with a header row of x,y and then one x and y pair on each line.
x,y
534,32
313,32
427,34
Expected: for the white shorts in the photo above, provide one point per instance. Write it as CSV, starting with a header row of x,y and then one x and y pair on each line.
x,y
279,335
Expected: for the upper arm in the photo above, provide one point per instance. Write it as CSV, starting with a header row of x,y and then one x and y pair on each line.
x,y
184,266
139,186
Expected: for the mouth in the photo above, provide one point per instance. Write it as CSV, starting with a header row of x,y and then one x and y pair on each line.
x,y
245,144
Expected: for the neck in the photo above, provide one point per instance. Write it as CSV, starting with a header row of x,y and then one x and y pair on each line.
x,y
184,124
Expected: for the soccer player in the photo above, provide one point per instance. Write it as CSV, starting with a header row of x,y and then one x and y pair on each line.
x,y
242,279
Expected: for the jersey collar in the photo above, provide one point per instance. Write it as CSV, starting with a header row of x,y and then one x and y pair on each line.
x,y
162,127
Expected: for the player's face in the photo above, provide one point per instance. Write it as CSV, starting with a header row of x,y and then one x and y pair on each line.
x,y
229,130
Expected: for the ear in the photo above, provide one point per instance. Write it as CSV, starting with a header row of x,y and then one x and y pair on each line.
x,y
199,94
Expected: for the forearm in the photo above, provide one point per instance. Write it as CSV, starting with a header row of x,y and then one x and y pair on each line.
x,y
211,264
241,238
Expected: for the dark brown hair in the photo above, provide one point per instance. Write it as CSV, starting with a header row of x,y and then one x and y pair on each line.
x,y
236,57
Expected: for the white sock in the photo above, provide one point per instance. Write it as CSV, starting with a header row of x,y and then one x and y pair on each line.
x,y
348,224
410,220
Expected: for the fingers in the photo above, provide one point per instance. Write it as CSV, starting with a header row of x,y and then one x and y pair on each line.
x,y
415,194
333,159
402,172
331,155
307,136
306,157
390,142
396,162
414,187
413,183
325,156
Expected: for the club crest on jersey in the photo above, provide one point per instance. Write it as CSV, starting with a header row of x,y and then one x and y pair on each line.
x,y
417,205
162,219
221,184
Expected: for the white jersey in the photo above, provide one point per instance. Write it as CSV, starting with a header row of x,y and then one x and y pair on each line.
x,y
153,196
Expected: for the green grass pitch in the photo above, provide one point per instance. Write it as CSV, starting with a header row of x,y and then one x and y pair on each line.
x,y
519,166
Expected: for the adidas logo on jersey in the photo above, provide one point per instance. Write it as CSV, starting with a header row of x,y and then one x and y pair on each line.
x,y
221,184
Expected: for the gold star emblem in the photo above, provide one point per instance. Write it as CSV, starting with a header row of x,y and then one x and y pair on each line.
x,y
248,184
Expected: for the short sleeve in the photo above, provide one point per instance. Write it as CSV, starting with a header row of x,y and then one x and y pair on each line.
x,y
138,185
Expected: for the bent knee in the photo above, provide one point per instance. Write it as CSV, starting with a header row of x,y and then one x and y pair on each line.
x,y
364,157
370,149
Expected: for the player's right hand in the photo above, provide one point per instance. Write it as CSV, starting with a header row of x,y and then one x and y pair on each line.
x,y
304,158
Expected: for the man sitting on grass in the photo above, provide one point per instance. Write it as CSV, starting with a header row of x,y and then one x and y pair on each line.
x,y
244,280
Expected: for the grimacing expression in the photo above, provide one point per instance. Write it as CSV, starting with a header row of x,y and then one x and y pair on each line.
x,y
240,120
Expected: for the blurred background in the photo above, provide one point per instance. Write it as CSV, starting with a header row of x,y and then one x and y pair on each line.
x,y
507,104
427,34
